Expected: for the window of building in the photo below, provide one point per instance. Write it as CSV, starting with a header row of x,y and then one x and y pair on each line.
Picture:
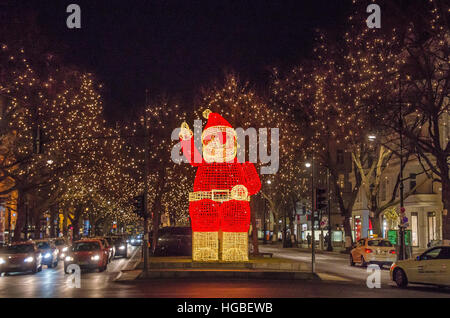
x,y
432,232
414,229
340,157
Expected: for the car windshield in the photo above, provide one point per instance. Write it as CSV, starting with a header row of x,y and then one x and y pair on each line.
x,y
381,243
43,245
86,246
20,248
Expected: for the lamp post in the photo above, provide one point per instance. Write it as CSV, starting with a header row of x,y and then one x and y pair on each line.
x,y
402,254
329,247
264,225
313,241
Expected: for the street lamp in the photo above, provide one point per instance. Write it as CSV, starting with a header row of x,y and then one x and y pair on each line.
x,y
372,137
313,241
264,218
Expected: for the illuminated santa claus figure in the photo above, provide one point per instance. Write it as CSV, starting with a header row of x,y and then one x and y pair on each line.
x,y
219,205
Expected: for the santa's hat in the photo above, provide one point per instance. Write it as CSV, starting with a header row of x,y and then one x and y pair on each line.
x,y
215,120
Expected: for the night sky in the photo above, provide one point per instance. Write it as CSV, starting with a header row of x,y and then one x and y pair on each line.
x,y
175,47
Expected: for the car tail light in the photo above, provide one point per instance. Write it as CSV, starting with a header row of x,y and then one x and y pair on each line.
x,y
392,252
368,250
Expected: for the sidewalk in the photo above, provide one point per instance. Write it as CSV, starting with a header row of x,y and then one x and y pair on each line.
x,y
184,267
279,245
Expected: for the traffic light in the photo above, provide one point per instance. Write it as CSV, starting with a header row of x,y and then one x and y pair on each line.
x,y
139,205
321,198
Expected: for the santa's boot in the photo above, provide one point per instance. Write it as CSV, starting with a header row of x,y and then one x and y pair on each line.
x,y
205,246
234,246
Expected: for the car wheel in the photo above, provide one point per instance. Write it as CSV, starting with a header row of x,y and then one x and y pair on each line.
x,y
400,278
55,264
103,268
35,270
363,262
352,263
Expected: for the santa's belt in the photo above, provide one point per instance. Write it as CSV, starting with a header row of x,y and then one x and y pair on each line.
x,y
216,195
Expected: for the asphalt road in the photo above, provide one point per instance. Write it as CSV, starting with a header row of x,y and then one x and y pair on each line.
x,y
336,267
339,280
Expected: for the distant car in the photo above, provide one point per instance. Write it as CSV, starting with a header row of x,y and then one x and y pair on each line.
x,y
88,254
62,246
430,268
49,252
136,241
20,257
174,241
373,251
121,247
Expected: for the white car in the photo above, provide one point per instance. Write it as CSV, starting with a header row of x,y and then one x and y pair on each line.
x,y
431,268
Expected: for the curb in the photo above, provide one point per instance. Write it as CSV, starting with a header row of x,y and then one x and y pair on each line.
x,y
211,274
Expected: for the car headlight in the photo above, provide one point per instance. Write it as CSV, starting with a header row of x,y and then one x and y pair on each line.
x,y
95,257
2,261
68,258
132,241
62,255
65,249
122,247
47,255
28,259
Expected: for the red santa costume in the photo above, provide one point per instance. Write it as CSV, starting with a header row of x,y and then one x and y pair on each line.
x,y
219,203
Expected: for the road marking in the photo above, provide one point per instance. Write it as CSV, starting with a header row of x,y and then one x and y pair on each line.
x,y
330,277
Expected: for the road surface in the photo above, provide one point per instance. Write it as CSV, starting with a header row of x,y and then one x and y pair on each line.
x,y
339,280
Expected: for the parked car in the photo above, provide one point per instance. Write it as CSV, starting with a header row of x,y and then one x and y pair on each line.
x,y
174,241
88,254
373,251
120,246
62,246
49,252
111,245
430,268
20,257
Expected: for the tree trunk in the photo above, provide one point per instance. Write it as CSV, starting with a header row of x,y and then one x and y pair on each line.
x,y
276,227
20,220
254,229
348,233
376,227
445,182
76,223
37,224
64,225
446,205
53,216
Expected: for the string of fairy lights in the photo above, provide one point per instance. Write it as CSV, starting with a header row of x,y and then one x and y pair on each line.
x,y
316,105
